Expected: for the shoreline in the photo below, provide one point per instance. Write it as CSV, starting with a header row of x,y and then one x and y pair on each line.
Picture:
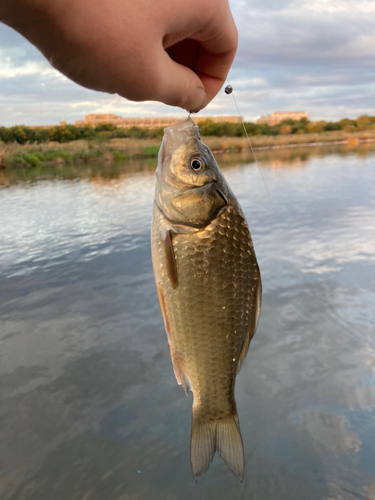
x,y
298,145
312,144
15,156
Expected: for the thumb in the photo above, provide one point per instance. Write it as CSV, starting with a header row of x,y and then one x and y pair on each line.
x,y
179,86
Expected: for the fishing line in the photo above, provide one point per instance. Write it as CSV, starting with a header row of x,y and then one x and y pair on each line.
x,y
229,90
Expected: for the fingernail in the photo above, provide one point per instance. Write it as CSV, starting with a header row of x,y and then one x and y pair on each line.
x,y
198,100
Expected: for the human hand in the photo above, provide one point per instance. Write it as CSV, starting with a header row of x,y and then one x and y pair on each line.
x,y
175,51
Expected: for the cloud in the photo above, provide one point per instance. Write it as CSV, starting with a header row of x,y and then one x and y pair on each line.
x,y
302,31
317,56
8,69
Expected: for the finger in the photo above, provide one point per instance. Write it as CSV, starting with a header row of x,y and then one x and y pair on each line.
x,y
178,85
216,56
212,69
221,35
209,51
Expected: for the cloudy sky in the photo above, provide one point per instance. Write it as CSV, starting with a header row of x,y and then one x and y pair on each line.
x,y
310,55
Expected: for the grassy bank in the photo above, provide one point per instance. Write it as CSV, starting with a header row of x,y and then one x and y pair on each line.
x,y
15,156
83,151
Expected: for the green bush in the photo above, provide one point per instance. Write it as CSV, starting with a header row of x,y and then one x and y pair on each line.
x,y
52,154
232,148
24,159
251,128
93,153
151,150
33,159
119,155
104,127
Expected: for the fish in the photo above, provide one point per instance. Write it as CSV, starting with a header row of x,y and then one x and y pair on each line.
x,y
209,287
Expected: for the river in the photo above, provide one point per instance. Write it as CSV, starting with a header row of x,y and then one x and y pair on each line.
x,y
90,409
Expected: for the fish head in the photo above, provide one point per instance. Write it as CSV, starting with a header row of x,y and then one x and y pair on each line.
x,y
190,188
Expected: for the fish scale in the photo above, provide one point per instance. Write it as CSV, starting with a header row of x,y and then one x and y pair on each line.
x,y
209,289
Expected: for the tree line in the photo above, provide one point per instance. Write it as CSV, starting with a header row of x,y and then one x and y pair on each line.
x,y
105,131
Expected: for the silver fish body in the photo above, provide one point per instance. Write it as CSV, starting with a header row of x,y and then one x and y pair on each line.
x,y
209,288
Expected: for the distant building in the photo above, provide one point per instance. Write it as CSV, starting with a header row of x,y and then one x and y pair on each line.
x,y
61,124
279,116
95,119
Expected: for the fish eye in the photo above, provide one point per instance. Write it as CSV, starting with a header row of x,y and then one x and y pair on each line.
x,y
197,164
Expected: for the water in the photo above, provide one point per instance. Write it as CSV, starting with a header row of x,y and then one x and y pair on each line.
x,y
90,409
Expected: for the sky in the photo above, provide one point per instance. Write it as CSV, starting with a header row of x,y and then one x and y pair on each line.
x,y
316,56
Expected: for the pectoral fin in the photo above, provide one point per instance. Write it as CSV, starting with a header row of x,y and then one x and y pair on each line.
x,y
169,260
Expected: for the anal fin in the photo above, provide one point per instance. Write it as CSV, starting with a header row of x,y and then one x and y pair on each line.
x,y
179,371
177,361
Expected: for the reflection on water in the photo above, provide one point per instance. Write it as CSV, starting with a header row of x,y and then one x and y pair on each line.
x,y
90,409
100,173
93,171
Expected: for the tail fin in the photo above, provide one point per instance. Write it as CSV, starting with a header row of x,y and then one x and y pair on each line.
x,y
222,435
